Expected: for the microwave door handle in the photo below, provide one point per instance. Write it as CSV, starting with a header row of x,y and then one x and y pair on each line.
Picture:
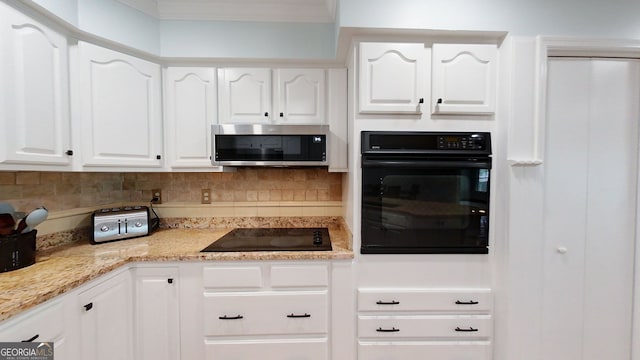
x,y
442,164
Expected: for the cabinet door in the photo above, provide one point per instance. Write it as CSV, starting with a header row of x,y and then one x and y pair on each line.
x,y
157,314
464,79
190,110
392,78
49,322
34,105
300,96
120,105
106,319
245,96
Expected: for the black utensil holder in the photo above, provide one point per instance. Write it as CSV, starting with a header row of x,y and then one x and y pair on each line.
x,y
17,251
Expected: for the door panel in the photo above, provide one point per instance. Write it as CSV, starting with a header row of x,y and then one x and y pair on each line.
x,y
590,200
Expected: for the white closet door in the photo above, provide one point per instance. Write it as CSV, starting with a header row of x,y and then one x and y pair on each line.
x,y
590,208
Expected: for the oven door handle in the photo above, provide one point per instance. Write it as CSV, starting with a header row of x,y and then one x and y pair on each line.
x,y
435,164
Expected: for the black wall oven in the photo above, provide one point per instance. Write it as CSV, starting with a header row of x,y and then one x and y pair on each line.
x,y
425,192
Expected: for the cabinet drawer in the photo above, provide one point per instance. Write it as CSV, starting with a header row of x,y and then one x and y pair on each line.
x,y
480,350
232,277
272,350
299,276
476,300
463,326
266,313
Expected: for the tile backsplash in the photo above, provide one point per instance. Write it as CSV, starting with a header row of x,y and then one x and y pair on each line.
x,y
68,190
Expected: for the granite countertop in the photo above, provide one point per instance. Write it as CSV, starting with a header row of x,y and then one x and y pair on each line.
x,y
64,268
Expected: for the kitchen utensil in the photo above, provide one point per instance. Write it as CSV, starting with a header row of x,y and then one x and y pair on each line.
x,y
6,208
33,219
7,223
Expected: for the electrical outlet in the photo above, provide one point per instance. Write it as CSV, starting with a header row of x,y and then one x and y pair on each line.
x,y
157,193
205,197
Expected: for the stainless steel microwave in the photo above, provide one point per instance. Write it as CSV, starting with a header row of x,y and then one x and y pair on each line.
x,y
269,145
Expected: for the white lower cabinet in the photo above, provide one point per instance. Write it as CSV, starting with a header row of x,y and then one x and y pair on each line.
x,y
106,321
312,349
424,323
266,313
480,350
157,313
276,311
49,322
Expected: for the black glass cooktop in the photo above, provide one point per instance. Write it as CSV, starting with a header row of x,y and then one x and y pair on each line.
x,y
273,239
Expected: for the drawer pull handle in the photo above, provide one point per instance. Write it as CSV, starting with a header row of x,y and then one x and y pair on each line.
x,y
31,338
237,317
470,302
393,329
88,306
292,315
470,329
392,302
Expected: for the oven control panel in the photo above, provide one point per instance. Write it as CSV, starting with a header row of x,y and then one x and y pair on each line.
x,y
461,142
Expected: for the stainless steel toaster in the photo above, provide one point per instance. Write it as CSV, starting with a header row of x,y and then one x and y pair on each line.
x,y
113,224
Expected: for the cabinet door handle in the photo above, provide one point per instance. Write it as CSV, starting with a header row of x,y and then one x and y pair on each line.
x,y
266,114
421,101
292,315
170,280
281,114
470,329
439,101
392,302
69,152
470,302
88,307
393,329
31,338
225,317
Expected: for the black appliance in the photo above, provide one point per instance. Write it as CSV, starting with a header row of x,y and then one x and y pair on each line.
x,y
269,145
273,239
425,192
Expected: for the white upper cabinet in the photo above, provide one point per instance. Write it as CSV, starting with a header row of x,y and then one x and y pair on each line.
x,y
34,100
464,79
245,95
120,109
190,101
248,96
300,96
392,78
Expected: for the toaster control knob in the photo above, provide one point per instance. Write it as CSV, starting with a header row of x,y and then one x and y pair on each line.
x,y
104,228
138,224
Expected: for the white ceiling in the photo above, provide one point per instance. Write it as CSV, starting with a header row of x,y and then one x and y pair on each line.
x,y
315,11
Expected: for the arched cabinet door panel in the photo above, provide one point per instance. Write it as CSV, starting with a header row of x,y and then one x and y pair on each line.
x,y
391,78
120,107
245,95
464,79
34,105
190,99
301,96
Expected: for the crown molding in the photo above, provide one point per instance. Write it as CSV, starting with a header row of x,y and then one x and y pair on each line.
x,y
309,11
